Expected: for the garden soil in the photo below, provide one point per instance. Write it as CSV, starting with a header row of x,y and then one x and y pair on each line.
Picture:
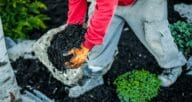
x,y
132,55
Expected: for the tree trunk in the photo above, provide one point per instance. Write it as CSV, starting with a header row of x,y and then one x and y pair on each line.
x,y
9,90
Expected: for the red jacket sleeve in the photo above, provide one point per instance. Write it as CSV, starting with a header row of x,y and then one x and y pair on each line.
x,y
99,22
77,11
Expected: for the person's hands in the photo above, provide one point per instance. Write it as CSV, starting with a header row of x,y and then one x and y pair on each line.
x,y
79,57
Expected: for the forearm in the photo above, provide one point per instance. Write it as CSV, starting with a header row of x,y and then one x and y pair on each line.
x,y
99,22
77,11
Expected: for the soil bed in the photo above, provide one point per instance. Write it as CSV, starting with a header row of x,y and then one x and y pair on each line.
x,y
132,55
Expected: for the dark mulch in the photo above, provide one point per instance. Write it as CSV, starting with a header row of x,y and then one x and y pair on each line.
x,y
62,43
132,55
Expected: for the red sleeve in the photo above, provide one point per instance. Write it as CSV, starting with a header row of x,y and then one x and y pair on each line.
x,y
99,22
77,11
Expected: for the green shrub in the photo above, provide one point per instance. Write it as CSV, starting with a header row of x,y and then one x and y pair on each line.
x,y
182,33
137,86
21,16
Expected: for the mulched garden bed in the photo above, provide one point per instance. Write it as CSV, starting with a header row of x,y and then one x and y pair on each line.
x,y
132,55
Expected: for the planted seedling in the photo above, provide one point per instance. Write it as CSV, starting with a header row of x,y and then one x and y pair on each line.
x,y
137,86
19,17
182,33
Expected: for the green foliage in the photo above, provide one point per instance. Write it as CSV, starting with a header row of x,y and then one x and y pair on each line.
x,y
137,86
182,33
21,16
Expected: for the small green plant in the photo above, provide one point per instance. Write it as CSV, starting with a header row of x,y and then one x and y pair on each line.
x,y
137,86
182,33
21,16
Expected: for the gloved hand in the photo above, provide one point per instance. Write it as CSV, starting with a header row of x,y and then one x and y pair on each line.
x,y
79,57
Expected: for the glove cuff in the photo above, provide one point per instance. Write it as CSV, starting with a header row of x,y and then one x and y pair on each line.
x,y
88,45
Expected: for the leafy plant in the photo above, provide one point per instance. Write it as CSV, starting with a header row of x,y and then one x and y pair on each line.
x,y
137,86
182,33
21,16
